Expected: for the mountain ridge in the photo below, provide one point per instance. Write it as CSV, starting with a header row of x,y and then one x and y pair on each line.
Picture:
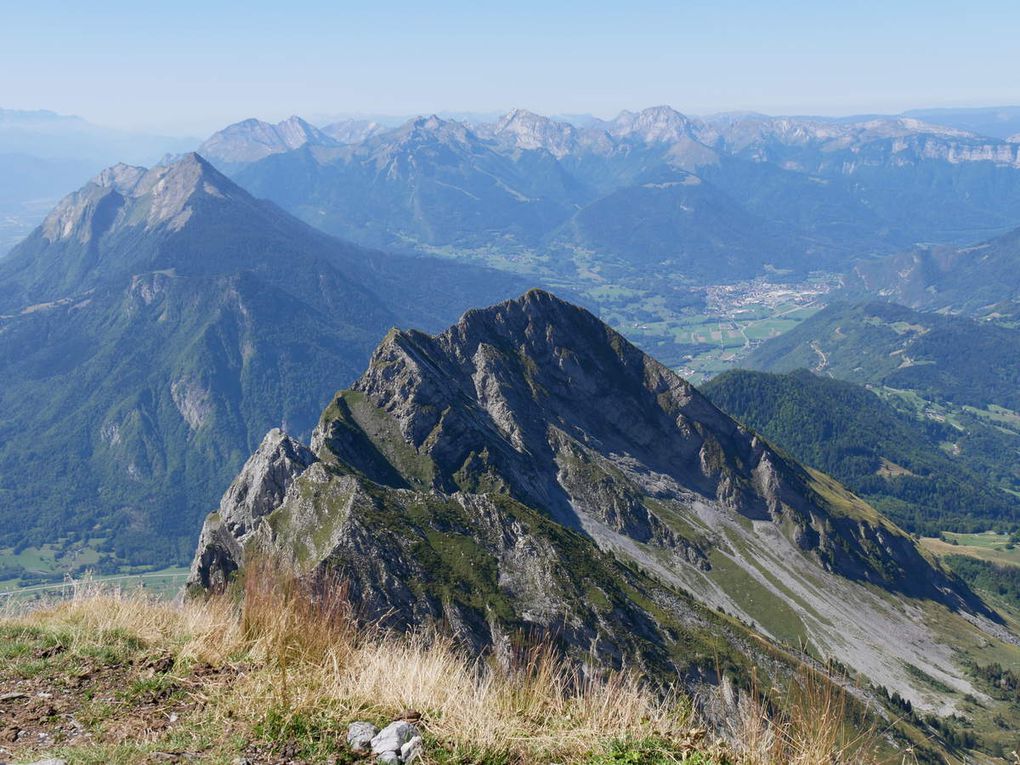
x,y
464,441
529,192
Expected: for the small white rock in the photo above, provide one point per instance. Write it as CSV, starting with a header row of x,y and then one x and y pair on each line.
x,y
412,750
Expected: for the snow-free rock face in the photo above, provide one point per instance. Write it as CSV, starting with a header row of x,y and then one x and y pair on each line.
x,y
263,481
353,131
124,195
258,490
527,130
658,124
493,477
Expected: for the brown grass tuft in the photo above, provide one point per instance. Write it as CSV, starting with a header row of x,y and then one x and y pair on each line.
x,y
811,727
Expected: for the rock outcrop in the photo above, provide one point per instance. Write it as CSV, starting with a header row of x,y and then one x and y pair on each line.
x,y
259,489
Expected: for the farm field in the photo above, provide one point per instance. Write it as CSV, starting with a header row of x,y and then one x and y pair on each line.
x,y
988,546
702,332
55,570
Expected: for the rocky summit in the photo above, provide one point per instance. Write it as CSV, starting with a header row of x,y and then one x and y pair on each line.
x,y
529,471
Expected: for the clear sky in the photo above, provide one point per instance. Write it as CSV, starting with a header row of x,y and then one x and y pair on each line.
x,y
191,66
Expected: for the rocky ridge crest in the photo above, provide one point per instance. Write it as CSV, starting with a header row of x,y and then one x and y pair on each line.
x,y
502,476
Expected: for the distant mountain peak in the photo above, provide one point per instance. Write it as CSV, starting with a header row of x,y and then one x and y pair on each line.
x,y
252,139
353,131
656,124
122,177
123,193
527,130
432,128
432,122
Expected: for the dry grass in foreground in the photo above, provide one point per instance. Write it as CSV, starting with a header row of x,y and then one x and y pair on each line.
x,y
277,674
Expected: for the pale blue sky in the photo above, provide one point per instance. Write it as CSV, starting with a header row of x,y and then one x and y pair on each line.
x,y
193,66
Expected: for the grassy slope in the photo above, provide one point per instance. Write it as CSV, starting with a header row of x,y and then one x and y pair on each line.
x,y
952,373
892,459
995,548
139,677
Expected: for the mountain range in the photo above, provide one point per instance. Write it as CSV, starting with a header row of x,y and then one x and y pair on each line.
x,y
154,326
527,475
731,195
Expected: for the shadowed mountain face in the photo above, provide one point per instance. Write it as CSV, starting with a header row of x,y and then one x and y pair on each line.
x,y
481,476
724,197
155,326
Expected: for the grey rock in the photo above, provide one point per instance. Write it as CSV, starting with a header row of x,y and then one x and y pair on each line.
x,y
388,758
49,762
259,489
263,481
393,737
360,735
412,750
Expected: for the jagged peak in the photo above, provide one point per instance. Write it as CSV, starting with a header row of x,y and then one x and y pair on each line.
x,y
529,130
430,122
518,114
295,119
251,122
254,139
536,323
348,131
183,177
535,302
296,132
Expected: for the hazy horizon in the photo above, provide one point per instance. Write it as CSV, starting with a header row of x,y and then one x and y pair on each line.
x,y
191,69
320,119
